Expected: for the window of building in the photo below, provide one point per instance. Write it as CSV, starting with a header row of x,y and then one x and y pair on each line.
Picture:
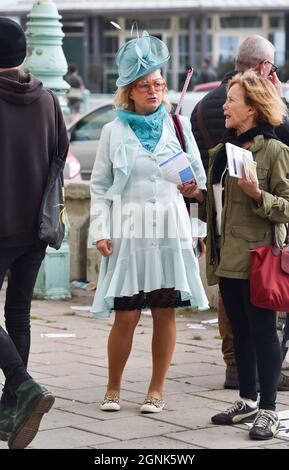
x,y
183,43
111,44
110,86
169,80
227,48
73,27
276,22
110,48
209,43
241,22
109,61
183,51
279,40
183,23
198,42
198,22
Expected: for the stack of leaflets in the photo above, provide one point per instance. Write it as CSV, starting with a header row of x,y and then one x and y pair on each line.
x,y
240,162
177,169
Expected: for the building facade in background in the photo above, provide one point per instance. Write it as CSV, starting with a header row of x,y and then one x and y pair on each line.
x,y
192,30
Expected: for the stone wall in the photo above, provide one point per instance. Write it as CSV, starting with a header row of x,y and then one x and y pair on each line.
x,y
77,202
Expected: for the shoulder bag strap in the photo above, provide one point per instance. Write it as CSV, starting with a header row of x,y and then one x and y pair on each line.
x,y
179,130
55,153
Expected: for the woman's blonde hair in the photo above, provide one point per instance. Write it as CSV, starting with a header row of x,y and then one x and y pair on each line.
x,y
123,101
261,94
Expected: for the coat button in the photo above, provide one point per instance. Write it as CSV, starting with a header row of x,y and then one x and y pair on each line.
x,y
153,178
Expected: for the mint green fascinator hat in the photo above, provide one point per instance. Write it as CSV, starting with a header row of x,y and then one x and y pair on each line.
x,y
139,57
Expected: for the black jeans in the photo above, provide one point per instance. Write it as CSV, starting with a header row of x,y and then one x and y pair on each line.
x,y
255,342
22,264
11,363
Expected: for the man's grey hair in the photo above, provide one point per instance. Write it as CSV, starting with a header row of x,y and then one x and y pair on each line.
x,y
252,51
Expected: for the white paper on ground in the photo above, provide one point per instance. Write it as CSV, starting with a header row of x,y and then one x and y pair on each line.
x,y
177,169
80,308
58,335
239,159
284,422
196,326
210,322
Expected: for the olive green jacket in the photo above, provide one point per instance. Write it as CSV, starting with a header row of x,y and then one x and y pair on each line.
x,y
244,225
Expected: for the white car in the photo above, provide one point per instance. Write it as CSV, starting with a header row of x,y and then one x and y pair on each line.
x,y
84,135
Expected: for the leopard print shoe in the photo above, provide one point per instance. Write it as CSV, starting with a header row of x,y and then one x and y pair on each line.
x,y
152,405
110,402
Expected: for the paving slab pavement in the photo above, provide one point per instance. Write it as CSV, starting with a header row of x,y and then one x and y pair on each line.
x,y
74,368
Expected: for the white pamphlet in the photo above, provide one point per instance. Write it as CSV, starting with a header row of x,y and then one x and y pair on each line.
x,y
240,160
177,169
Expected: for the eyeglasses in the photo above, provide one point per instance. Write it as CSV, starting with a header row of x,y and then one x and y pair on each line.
x,y
143,86
274,67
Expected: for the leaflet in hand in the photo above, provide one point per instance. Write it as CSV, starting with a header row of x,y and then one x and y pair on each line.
x,y
177,169
240,159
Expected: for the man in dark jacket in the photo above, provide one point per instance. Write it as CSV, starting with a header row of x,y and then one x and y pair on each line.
x,y
27,141
208,126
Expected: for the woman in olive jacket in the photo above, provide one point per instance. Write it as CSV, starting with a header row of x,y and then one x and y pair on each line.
x,y
240,215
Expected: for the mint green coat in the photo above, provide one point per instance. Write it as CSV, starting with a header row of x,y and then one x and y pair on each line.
x,y
126,180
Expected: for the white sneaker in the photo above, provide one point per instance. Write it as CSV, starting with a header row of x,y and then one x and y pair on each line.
x,y
152,405
110,402
265,426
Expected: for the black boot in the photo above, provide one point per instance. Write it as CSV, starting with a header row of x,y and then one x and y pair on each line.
x,y
7,421
33,401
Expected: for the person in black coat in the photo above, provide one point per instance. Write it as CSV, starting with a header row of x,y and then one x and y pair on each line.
x,y
208,126
27,140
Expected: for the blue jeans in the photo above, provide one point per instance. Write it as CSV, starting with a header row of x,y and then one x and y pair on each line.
x,y
22,265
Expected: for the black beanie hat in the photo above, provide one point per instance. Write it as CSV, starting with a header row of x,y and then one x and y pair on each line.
x,y
12,43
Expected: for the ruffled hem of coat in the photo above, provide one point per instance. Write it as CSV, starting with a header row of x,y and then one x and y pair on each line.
x,y
130,275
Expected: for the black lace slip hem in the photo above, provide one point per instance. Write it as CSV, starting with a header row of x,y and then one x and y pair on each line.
x,y
160,298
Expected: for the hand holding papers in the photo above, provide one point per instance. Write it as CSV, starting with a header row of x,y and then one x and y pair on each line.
x,y
250,169
240,160
177,169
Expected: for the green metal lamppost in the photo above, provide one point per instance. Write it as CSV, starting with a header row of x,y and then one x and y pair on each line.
x,y
46,60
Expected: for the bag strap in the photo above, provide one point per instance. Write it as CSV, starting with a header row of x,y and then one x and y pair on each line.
x,y
202,126
179,130
55,153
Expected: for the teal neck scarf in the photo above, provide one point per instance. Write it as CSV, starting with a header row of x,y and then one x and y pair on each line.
x,y
148,128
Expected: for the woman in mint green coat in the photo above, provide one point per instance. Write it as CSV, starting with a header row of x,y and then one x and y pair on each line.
x,y
139,220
